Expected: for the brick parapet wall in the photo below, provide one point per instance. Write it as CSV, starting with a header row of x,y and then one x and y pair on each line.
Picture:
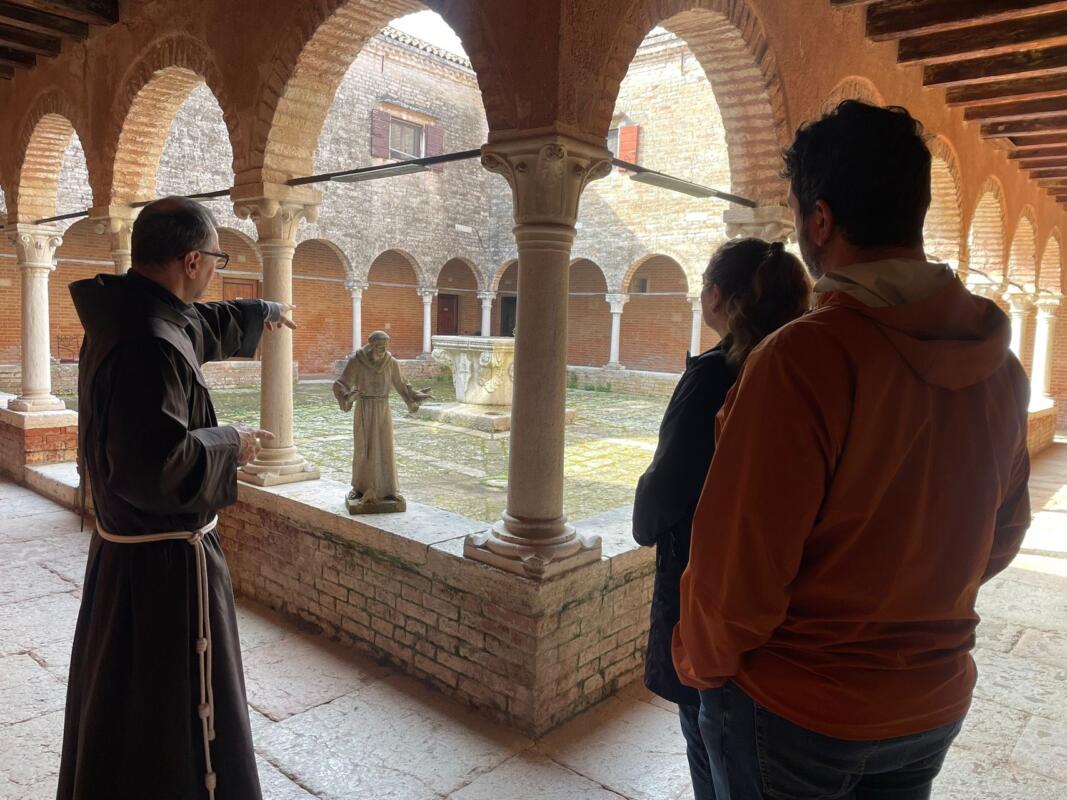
x,y
397,587
1041,430
34,439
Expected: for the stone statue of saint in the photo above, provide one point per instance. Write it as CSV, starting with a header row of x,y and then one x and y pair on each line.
x,y
365,382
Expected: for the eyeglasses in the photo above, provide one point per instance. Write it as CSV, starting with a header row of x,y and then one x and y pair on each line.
x,y
223,257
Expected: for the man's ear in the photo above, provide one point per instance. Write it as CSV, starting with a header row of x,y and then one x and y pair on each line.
x,y
191,263
716,299
821,223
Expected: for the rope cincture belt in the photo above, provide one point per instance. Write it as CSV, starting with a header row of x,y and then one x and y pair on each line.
x,y
206,707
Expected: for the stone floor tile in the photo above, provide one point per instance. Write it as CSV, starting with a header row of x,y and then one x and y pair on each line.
x,y
998,634
29,751
630,747
1018,599
29,690
991,730
1048,648
45,524
259,722
33,623
54,657
297,673
538,776
44,548
258,626
70,568
19,505
1042,749
966,776
26,580
275,784
392,740
1021,684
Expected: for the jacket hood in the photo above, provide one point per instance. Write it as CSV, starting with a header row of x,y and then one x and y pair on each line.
x,y
950,338
111,304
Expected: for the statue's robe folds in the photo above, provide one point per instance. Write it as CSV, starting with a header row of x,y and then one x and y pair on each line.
x,y
373,455
157,461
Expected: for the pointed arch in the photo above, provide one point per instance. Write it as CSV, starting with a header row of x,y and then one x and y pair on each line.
x,y
854,87
943,230
508,269
1050,269
1022,259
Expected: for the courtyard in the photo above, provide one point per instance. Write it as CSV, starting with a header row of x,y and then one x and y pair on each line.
x,y
465,471
334,725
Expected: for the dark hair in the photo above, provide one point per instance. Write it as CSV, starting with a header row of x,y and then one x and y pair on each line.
x,y
763,286
168,229
871,166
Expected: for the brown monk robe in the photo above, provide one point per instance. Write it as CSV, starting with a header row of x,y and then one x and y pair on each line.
x,y
158,461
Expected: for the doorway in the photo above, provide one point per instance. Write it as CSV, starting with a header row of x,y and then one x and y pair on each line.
x,y
507,315
447,314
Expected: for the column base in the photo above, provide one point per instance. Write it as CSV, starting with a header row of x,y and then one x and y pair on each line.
x,y
275,473
30,404
614,365
533,558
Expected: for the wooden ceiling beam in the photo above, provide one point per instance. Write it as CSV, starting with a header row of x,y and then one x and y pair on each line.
x,y
1054,139
1032,62
29,41
897,19
983,40
1038,153
17,58
1054,172
1043,164
1023,109
1021,127
92,12
39,22
1005,90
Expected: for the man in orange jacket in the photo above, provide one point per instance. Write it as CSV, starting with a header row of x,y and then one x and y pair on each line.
x,y
870,473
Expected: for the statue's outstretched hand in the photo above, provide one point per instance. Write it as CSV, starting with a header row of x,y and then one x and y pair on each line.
x,y
424,395
343,396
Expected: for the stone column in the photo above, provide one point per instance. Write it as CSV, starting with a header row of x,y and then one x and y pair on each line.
x,y
117,223
1044,336
277,212
356,289
615,303
36,247
487,299
698,325
1019,304
547,174
427,296
770,223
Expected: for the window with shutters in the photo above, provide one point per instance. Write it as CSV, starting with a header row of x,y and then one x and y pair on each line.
x,y
405,140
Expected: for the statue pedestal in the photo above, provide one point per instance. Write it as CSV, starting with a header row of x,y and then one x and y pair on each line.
x,y
392,505
483,373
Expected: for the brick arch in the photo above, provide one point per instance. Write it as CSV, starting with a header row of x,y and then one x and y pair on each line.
x,y
44,133
480,280
150,93
727,39
854,87
309,62
656,326
391,303
588,315
1022,258
631,271
321,257
243,244
1050,269
943,229
985,235
501,271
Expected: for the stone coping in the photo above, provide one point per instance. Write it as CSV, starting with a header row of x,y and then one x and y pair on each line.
x,y
32,420
1042,407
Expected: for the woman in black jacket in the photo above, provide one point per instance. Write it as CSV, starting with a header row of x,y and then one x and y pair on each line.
x,y
750,289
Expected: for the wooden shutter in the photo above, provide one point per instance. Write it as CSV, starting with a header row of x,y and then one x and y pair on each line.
x,y
628,139
379,133
435,143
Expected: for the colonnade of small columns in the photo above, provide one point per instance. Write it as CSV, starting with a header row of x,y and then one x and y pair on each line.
x,y
547,175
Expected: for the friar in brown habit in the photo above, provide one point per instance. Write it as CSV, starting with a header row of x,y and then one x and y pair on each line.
x,y
156,698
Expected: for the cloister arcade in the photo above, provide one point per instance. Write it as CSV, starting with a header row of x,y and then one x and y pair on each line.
x,y
129,127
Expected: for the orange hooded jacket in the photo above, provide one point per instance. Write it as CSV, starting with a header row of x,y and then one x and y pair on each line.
x,y
870,473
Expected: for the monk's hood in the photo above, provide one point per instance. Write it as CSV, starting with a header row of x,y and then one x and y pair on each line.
x,y
949,337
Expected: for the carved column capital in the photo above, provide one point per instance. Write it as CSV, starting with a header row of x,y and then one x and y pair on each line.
x,y
1047,304
1019,302
35,245
355,286
487,297
770,223
547,174
694,302
277,210
617,301
427,295
114,221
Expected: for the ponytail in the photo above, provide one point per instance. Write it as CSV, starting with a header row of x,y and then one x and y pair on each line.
x,y
763,287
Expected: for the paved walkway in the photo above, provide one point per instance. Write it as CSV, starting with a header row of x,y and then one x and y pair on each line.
x,y
332,725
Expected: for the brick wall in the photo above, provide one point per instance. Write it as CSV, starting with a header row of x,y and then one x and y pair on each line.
x,y
656,326
323,308
532,654
1059,367
391,304
588,316
1041,430
30,439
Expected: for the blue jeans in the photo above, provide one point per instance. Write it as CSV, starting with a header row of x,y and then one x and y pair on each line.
x,y
696,752
757,755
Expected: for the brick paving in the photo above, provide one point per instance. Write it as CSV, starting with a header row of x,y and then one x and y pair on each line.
x,y
331,725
